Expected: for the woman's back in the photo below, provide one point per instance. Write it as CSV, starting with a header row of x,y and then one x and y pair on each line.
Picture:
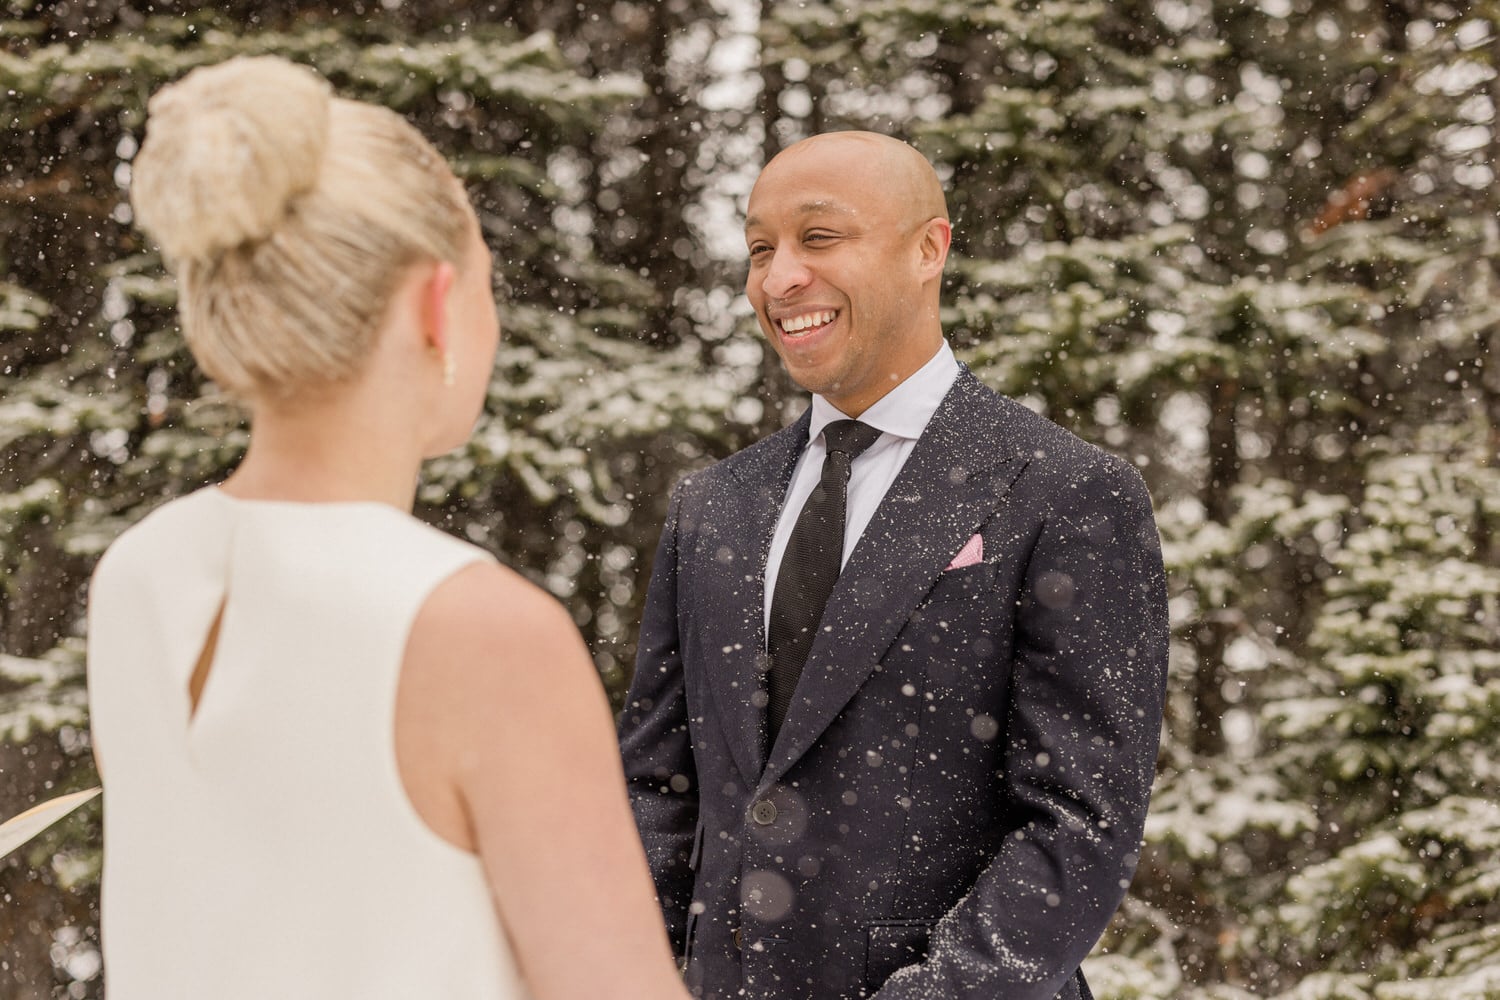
x,y
263,843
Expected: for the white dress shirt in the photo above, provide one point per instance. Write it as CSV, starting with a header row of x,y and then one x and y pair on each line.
x,y
901,415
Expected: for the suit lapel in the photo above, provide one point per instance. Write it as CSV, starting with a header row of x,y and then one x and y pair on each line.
x,y
958,473
739,540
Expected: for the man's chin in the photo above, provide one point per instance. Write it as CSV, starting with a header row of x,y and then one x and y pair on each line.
x,y
811,383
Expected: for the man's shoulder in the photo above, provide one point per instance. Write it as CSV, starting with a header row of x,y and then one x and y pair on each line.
x,y
1049,450
760,462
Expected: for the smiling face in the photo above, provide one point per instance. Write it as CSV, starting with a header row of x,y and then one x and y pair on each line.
x,y
847,234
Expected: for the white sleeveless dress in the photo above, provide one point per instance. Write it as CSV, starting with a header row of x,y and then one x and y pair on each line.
x,y
265,847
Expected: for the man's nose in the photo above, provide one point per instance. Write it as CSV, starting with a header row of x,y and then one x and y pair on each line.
x,y
785,274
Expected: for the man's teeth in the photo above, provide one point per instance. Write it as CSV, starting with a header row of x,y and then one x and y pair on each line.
x,y
796,324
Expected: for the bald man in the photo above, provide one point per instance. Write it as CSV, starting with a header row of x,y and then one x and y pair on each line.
x,y
895,713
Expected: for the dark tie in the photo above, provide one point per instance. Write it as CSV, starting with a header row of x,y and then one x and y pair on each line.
x,y
809,567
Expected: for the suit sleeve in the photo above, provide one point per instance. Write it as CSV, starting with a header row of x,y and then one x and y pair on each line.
x,y
1088,682
656,745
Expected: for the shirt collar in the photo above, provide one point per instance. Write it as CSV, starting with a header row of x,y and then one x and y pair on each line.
x,y
905,410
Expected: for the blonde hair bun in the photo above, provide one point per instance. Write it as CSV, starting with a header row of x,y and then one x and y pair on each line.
x,y
228,150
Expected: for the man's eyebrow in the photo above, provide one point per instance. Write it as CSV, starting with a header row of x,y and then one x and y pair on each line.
x,y
808,208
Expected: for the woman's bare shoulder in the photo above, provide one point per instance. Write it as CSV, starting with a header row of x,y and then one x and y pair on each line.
x,y
488,615
488,646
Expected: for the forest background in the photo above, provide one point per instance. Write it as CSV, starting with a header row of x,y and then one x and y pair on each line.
x,y
1250,245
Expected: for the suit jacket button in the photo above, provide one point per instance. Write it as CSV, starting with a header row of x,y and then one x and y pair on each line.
x,y
763,812
739,939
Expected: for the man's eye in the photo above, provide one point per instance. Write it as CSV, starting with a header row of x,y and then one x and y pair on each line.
x,y
758,249
810,237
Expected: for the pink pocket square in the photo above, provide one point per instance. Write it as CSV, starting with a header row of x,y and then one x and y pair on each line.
x,y
971,553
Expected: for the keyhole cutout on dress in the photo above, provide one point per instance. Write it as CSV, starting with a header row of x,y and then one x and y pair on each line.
x,y
205,663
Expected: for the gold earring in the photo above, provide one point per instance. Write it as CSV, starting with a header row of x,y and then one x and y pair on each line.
x,y
450,369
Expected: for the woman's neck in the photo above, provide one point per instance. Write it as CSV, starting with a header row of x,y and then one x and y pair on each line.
x,y
339,450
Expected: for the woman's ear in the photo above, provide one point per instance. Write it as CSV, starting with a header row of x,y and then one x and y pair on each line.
x,y
436,284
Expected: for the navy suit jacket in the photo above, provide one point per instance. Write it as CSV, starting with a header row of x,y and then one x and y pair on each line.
x,y
953,807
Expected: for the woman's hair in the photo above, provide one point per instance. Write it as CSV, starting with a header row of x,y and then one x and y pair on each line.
x,y
287,215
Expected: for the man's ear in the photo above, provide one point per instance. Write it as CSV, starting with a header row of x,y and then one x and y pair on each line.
x,y
436,284
937,237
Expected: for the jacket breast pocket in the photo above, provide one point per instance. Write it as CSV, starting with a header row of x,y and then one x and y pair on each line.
x,y
959,586
892,945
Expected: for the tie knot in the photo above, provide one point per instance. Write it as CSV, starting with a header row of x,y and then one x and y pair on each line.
x,y
849,437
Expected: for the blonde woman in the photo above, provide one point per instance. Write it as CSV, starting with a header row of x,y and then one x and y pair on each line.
x,y
345,755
